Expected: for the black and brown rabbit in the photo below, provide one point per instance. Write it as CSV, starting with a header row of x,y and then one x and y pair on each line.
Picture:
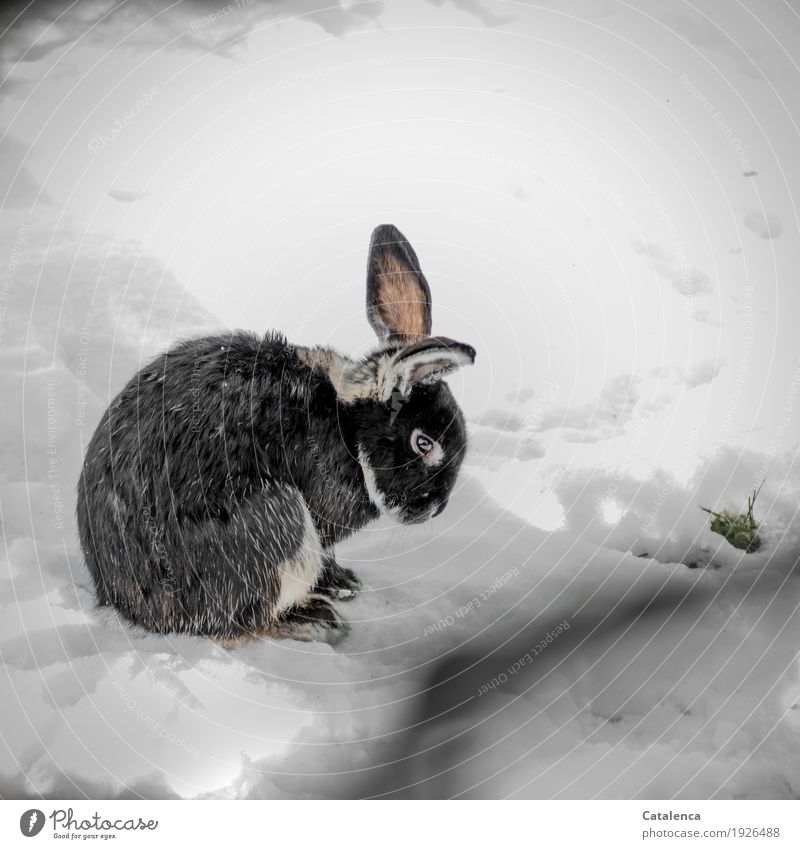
x,y
221,477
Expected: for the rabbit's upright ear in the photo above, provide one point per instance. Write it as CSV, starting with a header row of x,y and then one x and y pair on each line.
x,y
424,362
398,295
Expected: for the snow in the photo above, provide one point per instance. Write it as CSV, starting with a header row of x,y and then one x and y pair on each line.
x,y
764,224
459,676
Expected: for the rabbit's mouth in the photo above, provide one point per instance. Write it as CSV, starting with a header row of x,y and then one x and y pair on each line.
x,y
416,514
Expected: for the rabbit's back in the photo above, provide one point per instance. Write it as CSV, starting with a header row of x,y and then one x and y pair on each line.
x,y
198,425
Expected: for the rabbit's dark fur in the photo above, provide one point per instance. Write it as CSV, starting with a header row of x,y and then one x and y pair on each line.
x,y
221,477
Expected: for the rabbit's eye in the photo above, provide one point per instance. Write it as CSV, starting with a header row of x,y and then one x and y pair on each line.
x,y
422,444
429,449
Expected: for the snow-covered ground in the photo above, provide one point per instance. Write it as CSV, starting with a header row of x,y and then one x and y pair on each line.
x,y
603,198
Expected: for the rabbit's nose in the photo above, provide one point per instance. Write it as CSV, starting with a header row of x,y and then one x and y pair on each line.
x,y
440,508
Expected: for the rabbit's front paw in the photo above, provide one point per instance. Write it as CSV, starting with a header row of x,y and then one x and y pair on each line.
x,y
338,582
314,619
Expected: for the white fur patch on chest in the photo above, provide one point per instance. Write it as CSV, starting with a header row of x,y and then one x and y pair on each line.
x,y
375,495
300,573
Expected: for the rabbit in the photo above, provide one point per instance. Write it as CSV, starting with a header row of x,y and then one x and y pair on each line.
x,y
220,479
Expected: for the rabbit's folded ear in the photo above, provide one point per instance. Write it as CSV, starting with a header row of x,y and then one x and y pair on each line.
x,y
424,362
398,295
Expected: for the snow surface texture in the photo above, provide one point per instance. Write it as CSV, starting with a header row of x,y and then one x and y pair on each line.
x,y
488,657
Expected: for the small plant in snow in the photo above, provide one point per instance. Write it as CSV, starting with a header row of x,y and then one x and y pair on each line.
x,y
740,529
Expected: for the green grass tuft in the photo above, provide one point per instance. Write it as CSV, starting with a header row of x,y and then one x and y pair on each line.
x,y
739,529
